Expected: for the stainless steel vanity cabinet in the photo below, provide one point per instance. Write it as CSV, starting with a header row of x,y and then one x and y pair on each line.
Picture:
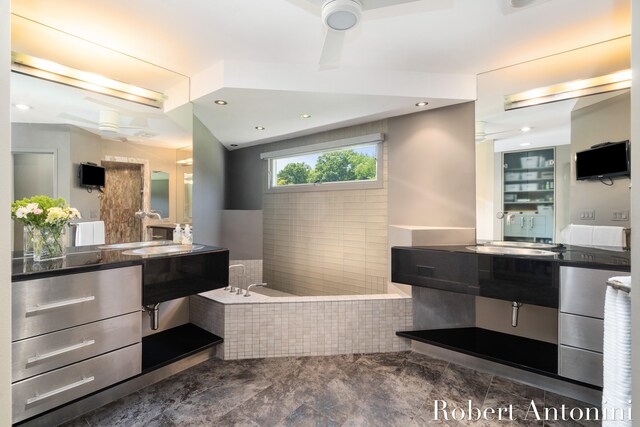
x,y
73,334
581,323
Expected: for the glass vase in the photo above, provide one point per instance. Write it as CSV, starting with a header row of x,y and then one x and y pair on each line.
x,y
49,242
27,241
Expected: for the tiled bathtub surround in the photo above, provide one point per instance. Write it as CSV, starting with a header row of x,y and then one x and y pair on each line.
x,y
260,326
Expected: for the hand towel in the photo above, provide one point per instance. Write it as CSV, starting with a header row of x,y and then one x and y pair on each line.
x,y
581,235
609,236
84,234
98,232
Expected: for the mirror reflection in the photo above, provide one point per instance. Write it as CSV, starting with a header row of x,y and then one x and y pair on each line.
x,y
526,187
160,193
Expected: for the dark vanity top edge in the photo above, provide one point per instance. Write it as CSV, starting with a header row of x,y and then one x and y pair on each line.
x,y
87,258
168,226
573,256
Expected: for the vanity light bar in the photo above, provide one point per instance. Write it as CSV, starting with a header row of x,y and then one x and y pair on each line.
x,y
568,90
48,70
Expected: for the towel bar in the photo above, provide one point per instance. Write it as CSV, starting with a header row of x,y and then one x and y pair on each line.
x,y
619,286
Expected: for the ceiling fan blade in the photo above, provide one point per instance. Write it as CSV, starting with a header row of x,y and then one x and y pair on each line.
x,y
77,119
332,49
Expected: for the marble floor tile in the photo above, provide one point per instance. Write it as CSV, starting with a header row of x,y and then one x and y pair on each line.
x,y
385,389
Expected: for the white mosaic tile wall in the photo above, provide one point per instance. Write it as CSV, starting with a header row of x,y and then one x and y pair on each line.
x,y
303,326
327,242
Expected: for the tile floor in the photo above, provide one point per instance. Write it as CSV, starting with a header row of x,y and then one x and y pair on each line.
x,y
385,389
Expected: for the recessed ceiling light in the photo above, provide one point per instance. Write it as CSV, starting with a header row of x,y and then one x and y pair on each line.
x,y
22,107
525,129
422,104
234,145
305,116
220,102
525,144
260,128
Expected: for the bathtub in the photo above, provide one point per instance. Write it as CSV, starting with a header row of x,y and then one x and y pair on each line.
x,y
266,326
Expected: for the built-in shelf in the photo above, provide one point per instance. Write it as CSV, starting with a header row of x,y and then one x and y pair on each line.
x,y
168,346
524,353
529,202
546,168
528,180
530,191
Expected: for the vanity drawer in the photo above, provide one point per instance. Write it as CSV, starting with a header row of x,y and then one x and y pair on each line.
x,y
43,392
43,353
582,332
45,305
582,290
580,365
448,271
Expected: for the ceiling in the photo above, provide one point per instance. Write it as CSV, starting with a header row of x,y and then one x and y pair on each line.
x,y
261,56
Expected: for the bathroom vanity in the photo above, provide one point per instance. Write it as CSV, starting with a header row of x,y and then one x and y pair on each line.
x,y
573,281
77,323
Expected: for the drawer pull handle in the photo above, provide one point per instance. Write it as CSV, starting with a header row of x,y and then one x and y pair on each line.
x,y
59,304
37,358
39,397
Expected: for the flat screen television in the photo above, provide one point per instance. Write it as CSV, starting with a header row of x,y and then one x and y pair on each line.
x,y
604,161
91,175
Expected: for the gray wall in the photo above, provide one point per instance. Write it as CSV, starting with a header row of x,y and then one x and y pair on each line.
x,y
85,147
209,159
635,211
586,130
431,168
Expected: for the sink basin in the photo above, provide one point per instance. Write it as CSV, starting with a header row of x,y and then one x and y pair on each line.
x,y
527,245
496,250
159,250
134,245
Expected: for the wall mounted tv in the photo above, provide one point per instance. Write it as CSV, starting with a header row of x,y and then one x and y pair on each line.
x,y
91,175
607,160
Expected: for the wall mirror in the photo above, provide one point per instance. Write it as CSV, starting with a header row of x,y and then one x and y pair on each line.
x,y
525,175
184,166
73,125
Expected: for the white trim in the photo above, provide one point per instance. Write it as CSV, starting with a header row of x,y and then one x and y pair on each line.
x,y
339,143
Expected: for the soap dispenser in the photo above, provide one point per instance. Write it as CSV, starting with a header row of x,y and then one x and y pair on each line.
x,y
177,234
187,237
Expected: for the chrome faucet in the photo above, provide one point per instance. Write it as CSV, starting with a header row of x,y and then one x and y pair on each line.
x,y
229,287
256,285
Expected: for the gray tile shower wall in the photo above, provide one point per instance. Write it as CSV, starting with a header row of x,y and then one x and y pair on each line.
x,y
327,242
252,272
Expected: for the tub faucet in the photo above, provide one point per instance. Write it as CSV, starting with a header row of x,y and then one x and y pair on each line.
x,y
256,285
232,266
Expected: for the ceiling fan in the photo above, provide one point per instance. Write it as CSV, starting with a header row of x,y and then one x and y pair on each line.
x,y
339,16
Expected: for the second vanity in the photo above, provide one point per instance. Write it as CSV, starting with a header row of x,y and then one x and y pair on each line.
x,y
77,323
573,281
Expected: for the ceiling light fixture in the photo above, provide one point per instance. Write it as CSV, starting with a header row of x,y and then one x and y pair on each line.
x,y
525,144
260,128
340,15
22,107
185,162
568,90
422,104
220,102
525,129
48,70
305,116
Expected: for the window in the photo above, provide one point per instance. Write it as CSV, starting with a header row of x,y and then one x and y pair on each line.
x,y
345,164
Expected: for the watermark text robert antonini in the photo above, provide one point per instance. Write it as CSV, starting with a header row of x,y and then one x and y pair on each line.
x,y
442,410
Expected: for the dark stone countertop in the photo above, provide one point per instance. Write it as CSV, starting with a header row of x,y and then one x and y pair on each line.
x,y
576,256
168,226
87,258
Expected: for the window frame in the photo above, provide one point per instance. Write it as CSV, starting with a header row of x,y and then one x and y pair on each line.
x,y
324,147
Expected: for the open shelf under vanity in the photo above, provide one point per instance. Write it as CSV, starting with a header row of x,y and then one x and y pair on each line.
x,y
523,353
168,346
